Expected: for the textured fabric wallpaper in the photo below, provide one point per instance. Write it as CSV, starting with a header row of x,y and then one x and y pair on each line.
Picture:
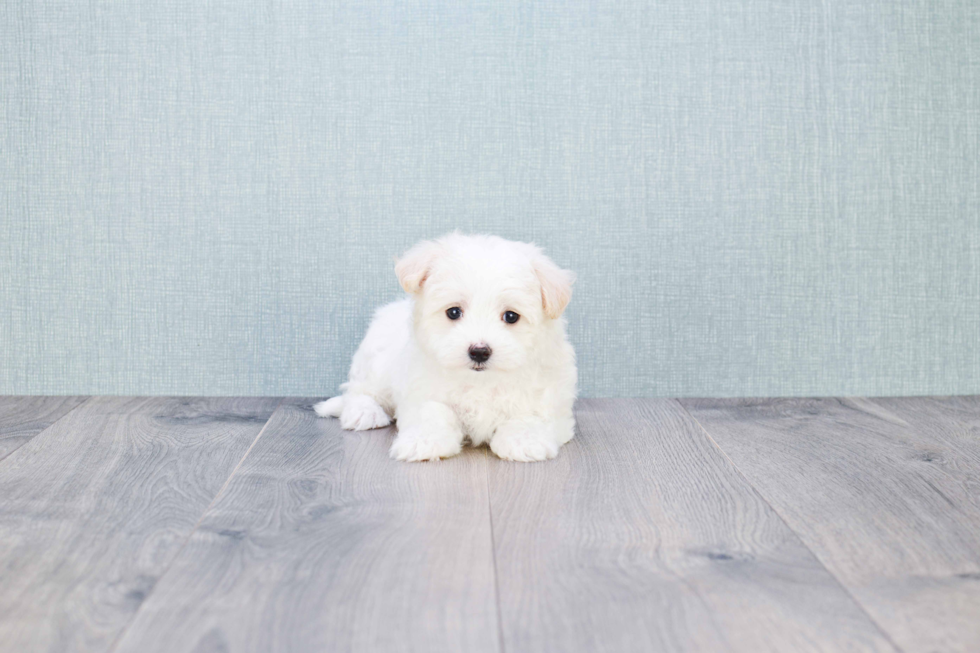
x,y
760,197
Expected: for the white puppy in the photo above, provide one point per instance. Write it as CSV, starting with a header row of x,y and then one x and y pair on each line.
x,y
477,353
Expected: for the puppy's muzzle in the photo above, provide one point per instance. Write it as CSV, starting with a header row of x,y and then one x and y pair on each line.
x,y
480,354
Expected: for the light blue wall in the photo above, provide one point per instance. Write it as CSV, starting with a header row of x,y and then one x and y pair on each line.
x,y
760,197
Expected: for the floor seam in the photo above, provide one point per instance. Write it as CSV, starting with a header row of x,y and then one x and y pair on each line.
x,y
779,515
46,428
118,640
493,551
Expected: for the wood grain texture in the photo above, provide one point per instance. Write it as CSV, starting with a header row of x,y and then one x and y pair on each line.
x,y
641,536
322,543
21,418
94,510
952,422
884,493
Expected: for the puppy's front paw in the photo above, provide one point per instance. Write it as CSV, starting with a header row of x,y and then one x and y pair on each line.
x,y
415,443
524,442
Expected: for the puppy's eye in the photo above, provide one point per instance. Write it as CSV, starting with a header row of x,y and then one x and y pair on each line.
x,y
454,313
510,317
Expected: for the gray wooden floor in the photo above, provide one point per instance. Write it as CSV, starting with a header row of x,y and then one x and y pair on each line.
x,y
196,524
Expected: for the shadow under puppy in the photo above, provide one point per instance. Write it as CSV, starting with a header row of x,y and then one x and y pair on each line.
x,y
477,352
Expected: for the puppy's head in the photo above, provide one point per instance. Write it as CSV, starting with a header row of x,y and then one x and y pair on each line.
x,y
481,302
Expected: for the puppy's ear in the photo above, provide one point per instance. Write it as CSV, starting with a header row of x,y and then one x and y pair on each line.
x,y
413,267
556,285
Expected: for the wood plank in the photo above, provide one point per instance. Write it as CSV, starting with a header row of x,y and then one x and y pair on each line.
x,y
21,418
890,508
952,421
322,543
94,509
641,536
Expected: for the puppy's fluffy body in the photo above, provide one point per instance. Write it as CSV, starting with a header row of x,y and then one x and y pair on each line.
x,y
416,364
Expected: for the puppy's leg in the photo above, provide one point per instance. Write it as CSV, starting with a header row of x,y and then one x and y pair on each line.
x,y
528,440
369,381
427,432
357,412
331,407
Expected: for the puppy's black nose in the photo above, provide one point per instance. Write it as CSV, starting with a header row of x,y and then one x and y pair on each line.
x,y
479,353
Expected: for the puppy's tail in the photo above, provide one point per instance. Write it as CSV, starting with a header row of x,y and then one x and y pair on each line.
x,y
332,407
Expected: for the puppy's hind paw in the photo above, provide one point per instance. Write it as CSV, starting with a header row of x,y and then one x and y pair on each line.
x,y
331,407
523,444
361,413
417,445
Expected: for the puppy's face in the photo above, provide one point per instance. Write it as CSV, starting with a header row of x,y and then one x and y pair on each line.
x,y
482,302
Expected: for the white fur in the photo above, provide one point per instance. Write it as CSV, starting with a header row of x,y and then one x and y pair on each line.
x,y
413,365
